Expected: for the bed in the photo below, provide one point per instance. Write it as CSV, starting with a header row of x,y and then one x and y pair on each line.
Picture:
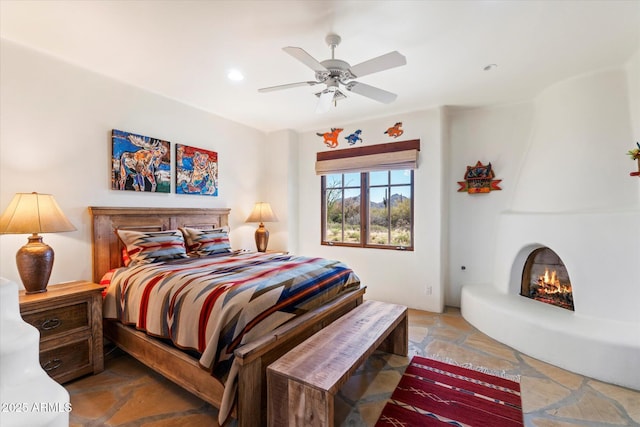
x,y
184,368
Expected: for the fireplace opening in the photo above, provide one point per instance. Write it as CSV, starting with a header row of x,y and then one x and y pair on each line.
x,y
546,279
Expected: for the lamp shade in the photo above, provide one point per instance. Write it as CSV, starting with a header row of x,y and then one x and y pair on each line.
x,y
262,213
34,213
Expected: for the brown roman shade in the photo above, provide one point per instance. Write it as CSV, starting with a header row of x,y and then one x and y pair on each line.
x,y
394,155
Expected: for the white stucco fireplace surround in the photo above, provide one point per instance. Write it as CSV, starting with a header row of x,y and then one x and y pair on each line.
x,y
601,339
588,212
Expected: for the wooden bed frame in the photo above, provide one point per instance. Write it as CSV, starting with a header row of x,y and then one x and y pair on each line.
x,y
184,370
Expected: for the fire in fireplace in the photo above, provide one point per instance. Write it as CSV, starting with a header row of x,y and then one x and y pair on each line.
x,y
546,279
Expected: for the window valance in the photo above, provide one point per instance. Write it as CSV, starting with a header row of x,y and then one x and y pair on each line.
x,y
394,155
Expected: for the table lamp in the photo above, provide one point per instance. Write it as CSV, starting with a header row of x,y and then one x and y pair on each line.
x,y
33,213
262,213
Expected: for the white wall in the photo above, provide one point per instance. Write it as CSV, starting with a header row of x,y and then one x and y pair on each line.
x,y
492,134
392,276
633,82
55,138
279,187
576,159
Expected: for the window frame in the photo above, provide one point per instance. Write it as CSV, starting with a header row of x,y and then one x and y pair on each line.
x,y
364,214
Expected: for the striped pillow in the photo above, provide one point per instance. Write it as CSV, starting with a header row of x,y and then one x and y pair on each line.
x,y
154,246
125,257
206,242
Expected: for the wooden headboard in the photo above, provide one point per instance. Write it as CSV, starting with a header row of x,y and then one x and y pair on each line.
x,y
106,220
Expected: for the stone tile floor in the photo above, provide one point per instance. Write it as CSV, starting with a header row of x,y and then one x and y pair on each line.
x,y
129,394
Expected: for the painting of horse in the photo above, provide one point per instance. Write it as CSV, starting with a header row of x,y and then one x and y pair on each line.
x,y
196,171
140,163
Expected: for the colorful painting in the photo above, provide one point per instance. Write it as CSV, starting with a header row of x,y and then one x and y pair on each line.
x,y
196,171
140,163
479,179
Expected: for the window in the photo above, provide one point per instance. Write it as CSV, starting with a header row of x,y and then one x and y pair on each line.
x,y
390,200
367,195
368,209
342,207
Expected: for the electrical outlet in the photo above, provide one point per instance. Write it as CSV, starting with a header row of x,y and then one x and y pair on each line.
x,y
429,290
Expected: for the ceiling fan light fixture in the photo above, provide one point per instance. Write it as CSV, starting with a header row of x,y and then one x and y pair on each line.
x,y
328,96
337,94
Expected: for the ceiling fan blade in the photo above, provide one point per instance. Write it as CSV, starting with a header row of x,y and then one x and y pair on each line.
x,y
372,92
302,56
287,86
380,63
324,103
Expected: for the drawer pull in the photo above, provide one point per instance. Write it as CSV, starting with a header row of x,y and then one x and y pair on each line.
x,y
50,324
52,364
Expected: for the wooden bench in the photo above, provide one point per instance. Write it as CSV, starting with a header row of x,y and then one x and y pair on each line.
x,y
302,383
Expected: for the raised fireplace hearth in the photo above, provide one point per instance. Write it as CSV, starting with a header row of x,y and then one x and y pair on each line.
x,y
546,279
599,338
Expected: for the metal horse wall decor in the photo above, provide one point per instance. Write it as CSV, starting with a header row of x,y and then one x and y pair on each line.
x,y
331,138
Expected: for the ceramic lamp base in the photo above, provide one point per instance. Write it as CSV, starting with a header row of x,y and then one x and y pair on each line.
x,y
262,238
35,262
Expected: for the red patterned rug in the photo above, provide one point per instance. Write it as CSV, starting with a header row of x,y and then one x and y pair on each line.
x,y
433,393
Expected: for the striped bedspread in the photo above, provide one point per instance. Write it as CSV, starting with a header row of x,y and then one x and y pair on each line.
x,y
214,305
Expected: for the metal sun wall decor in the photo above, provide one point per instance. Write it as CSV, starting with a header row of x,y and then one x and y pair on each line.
x,y
140,163
196,171
479,179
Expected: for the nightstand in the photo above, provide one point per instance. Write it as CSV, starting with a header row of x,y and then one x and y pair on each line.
x,y
69,318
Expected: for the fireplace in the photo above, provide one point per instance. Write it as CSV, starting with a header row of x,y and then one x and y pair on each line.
x,y
546,279
605,322
590,219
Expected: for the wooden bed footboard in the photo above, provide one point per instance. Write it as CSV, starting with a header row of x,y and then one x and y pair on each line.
x,y
253,358
168,361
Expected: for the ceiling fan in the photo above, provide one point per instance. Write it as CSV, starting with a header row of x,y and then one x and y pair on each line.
x,y
335,72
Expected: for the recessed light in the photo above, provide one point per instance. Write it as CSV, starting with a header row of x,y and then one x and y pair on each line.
x,y
235,75
490,67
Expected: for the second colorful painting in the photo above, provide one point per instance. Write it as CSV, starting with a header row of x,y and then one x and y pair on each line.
x,y
196,171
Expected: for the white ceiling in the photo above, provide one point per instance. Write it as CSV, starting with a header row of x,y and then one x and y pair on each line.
x,y
183,49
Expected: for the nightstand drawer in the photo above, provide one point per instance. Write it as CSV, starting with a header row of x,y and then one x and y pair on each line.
x,y
69,318
73,358
60,319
